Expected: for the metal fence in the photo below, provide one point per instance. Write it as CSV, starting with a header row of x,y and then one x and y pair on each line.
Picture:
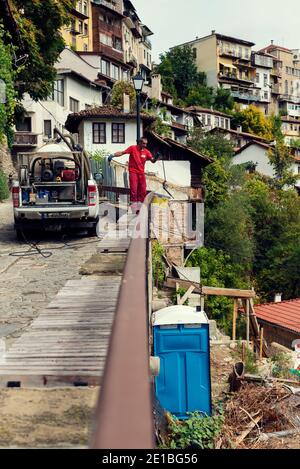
x,y
124,413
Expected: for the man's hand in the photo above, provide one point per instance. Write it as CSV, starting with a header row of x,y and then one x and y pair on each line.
x,y
156,157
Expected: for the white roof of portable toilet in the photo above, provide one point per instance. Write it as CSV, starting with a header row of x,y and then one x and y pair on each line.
x,y
179,315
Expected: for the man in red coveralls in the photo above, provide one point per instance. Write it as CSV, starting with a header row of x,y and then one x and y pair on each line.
x,y
138,155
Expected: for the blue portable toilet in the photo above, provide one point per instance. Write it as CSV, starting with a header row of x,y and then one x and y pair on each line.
x,y
181,341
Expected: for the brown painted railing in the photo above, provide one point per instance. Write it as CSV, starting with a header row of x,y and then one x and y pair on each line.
x,y
124,413
25,138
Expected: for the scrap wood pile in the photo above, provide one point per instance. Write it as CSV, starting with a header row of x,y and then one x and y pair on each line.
x,y
256,411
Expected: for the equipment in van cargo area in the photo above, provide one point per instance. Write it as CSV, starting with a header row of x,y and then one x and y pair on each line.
x,y
55,183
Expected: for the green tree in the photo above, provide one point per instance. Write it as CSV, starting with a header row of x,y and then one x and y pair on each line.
x,y
200,96
216,176
276,128
281,159
179,72
7,93
119,89
223,100
34,28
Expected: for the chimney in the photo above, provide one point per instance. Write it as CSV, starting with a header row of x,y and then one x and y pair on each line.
x,y
239,128
272,41
213,32
126,103
156,87
277,298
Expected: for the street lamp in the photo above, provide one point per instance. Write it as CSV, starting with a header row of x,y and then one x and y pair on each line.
x,y
138,82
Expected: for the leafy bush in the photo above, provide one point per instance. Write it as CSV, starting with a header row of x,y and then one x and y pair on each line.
x,y
158,266
4,192
197,429
281,365
250,359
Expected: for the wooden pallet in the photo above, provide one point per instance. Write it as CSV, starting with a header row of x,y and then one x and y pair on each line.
x,y
68,342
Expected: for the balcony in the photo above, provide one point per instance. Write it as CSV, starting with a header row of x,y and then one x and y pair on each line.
x,y
233,76
289,98
80,14
111,5
276,72
107,28
244,96
25,139
147,43
276,89
111,53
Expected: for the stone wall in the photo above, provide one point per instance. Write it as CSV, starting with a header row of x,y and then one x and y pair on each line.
x,y
6,163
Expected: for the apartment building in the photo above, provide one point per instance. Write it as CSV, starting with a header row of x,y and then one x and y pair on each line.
x,y
286,80
263,64
137,46
76,88
209,118
227,62
78,34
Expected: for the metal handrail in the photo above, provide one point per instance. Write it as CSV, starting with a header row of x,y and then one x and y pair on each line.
x,y
124,417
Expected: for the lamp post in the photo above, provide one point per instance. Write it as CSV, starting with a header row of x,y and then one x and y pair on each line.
x,y
138,82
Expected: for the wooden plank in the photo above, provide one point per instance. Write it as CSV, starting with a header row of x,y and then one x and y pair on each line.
x,y
234,318
214,291
186,295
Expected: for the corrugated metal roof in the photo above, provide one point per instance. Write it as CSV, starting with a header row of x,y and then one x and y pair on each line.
x,y
285,314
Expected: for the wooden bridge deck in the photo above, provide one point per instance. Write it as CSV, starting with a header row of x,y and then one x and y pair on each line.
x,y
67,343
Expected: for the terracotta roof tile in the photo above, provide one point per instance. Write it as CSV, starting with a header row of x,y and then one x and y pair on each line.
x,y
74,120
285,314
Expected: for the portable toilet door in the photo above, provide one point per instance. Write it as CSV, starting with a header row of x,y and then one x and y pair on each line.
x,y
181,341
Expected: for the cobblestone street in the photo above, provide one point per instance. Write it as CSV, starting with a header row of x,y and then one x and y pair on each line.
x,y
27,284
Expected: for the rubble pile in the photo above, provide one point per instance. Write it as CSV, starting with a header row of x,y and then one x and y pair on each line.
x,y
255,411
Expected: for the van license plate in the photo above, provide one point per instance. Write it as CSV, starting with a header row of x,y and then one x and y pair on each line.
x,y
57,215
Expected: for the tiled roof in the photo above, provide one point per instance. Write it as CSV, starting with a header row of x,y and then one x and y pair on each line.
x,y
260,144
104,112
285,314
206,110
272,47
241,134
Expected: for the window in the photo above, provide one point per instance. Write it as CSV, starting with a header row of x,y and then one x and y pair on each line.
x,y
265,95
217,121
105,67
125,75
209,120
48,128
80,27
59,92
86,29
222,122
265,79
118,133
117,43
99,133
115,72
257,78
286,86
74,105
24,125
240,51
227,123
85,8
104,39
